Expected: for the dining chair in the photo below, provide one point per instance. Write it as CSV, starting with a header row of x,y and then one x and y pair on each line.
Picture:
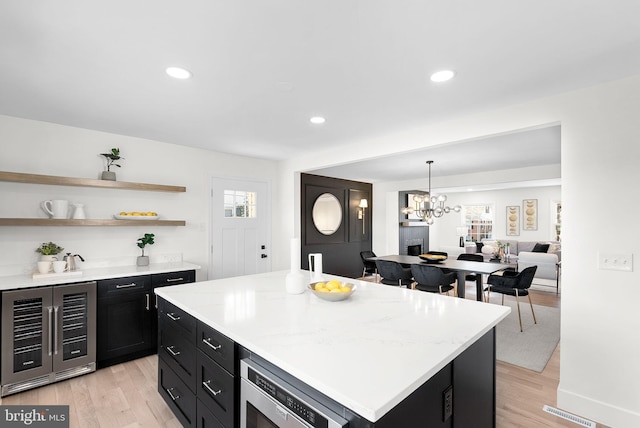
x,y
392,273
514,284
369,266
432,278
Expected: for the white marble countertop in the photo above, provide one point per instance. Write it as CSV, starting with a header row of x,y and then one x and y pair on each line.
x,y
24,281
368,352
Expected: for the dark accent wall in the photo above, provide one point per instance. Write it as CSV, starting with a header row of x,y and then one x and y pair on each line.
x,y
341,250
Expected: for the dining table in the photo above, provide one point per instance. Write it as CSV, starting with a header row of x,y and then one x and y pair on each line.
x,y
460,267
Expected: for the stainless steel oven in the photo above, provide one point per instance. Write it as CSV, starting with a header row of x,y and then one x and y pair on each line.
x,y
266,401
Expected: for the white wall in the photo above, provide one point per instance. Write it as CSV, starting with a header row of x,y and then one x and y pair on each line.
x,y
443,232
45,148
599,377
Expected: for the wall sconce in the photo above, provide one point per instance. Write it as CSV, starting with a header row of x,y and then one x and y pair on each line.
x,y
462,233
364,204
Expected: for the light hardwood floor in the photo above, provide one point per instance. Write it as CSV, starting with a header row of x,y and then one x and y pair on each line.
x,y
125,395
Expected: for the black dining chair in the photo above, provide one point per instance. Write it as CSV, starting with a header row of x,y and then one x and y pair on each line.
x,y
432,278
369,266
392,273
514,284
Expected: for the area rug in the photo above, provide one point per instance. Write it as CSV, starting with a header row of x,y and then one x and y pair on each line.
x,y
532,348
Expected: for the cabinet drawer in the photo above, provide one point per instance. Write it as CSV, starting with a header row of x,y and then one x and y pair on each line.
x,y
173,278
118,286
206,419
179,398
171,314
217,346
179,353
216,389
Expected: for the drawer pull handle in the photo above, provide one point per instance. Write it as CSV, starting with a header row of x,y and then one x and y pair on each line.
x,y
173,397
208,388
172,352
207,342
174,279
173,317
133,284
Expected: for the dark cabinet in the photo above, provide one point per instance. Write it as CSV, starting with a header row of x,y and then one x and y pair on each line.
x,y
127,315
125,328
204,361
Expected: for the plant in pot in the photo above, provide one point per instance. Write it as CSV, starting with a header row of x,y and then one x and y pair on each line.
x,y
49,251
111,159
147,239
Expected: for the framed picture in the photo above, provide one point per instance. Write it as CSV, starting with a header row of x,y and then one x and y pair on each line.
x,y
530,214
513,220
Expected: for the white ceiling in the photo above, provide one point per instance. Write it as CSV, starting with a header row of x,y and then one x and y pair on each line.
x,y
262,68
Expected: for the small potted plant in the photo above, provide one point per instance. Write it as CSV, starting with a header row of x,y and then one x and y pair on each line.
x,y
147,239
111,159
49,251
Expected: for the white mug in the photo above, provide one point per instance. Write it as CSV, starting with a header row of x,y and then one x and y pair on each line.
x,y
44,267
59,266
57,208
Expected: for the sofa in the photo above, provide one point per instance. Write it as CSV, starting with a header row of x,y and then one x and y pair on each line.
x,y
526,253
488,247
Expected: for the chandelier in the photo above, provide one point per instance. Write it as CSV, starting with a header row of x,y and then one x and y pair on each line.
x,y
429,207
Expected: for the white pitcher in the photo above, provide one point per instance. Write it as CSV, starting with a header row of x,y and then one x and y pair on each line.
x,y
57,208
315,267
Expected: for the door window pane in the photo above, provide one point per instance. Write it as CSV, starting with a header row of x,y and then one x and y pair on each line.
x,y
239,204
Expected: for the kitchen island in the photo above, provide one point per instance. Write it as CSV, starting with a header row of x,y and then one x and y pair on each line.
x,y
370,353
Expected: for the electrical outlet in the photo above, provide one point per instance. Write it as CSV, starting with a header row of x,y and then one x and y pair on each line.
x,y
447,403
609,261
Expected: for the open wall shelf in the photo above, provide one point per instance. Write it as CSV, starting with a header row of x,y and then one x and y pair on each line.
x,y
18,177
86,222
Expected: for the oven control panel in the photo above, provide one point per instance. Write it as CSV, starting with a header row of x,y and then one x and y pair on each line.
x,y
284,397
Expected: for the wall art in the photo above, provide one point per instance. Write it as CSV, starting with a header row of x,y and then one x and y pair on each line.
x,y
530,214
513,220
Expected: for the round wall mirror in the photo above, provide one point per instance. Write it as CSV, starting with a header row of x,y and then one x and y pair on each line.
x,y
327,214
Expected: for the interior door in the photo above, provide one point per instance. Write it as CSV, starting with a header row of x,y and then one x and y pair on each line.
x,y
240,227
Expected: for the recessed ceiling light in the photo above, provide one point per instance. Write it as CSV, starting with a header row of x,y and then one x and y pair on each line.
x,y
178,73
317,120
442,76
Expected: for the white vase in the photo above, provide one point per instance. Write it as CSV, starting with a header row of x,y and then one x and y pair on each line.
x,y
296,282
48,258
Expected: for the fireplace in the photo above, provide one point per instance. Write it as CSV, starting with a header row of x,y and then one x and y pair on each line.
x,y
414,250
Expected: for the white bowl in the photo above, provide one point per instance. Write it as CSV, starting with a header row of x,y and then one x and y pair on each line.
x,y
333,297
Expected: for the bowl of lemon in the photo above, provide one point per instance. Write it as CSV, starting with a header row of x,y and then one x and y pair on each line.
x,y
332,290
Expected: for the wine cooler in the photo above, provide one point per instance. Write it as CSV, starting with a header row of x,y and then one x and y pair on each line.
x,y
48,334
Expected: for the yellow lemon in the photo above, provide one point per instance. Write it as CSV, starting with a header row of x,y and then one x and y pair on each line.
x,y
335,290
319,285
333,284
345,289
124,213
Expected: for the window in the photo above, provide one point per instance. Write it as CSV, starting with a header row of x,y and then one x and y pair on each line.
x,y
239,204
479,221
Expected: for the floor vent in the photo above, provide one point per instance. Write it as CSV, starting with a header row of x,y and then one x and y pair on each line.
x,y
568,416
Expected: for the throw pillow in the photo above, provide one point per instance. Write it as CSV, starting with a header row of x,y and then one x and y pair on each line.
x,y
488,249
540,248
